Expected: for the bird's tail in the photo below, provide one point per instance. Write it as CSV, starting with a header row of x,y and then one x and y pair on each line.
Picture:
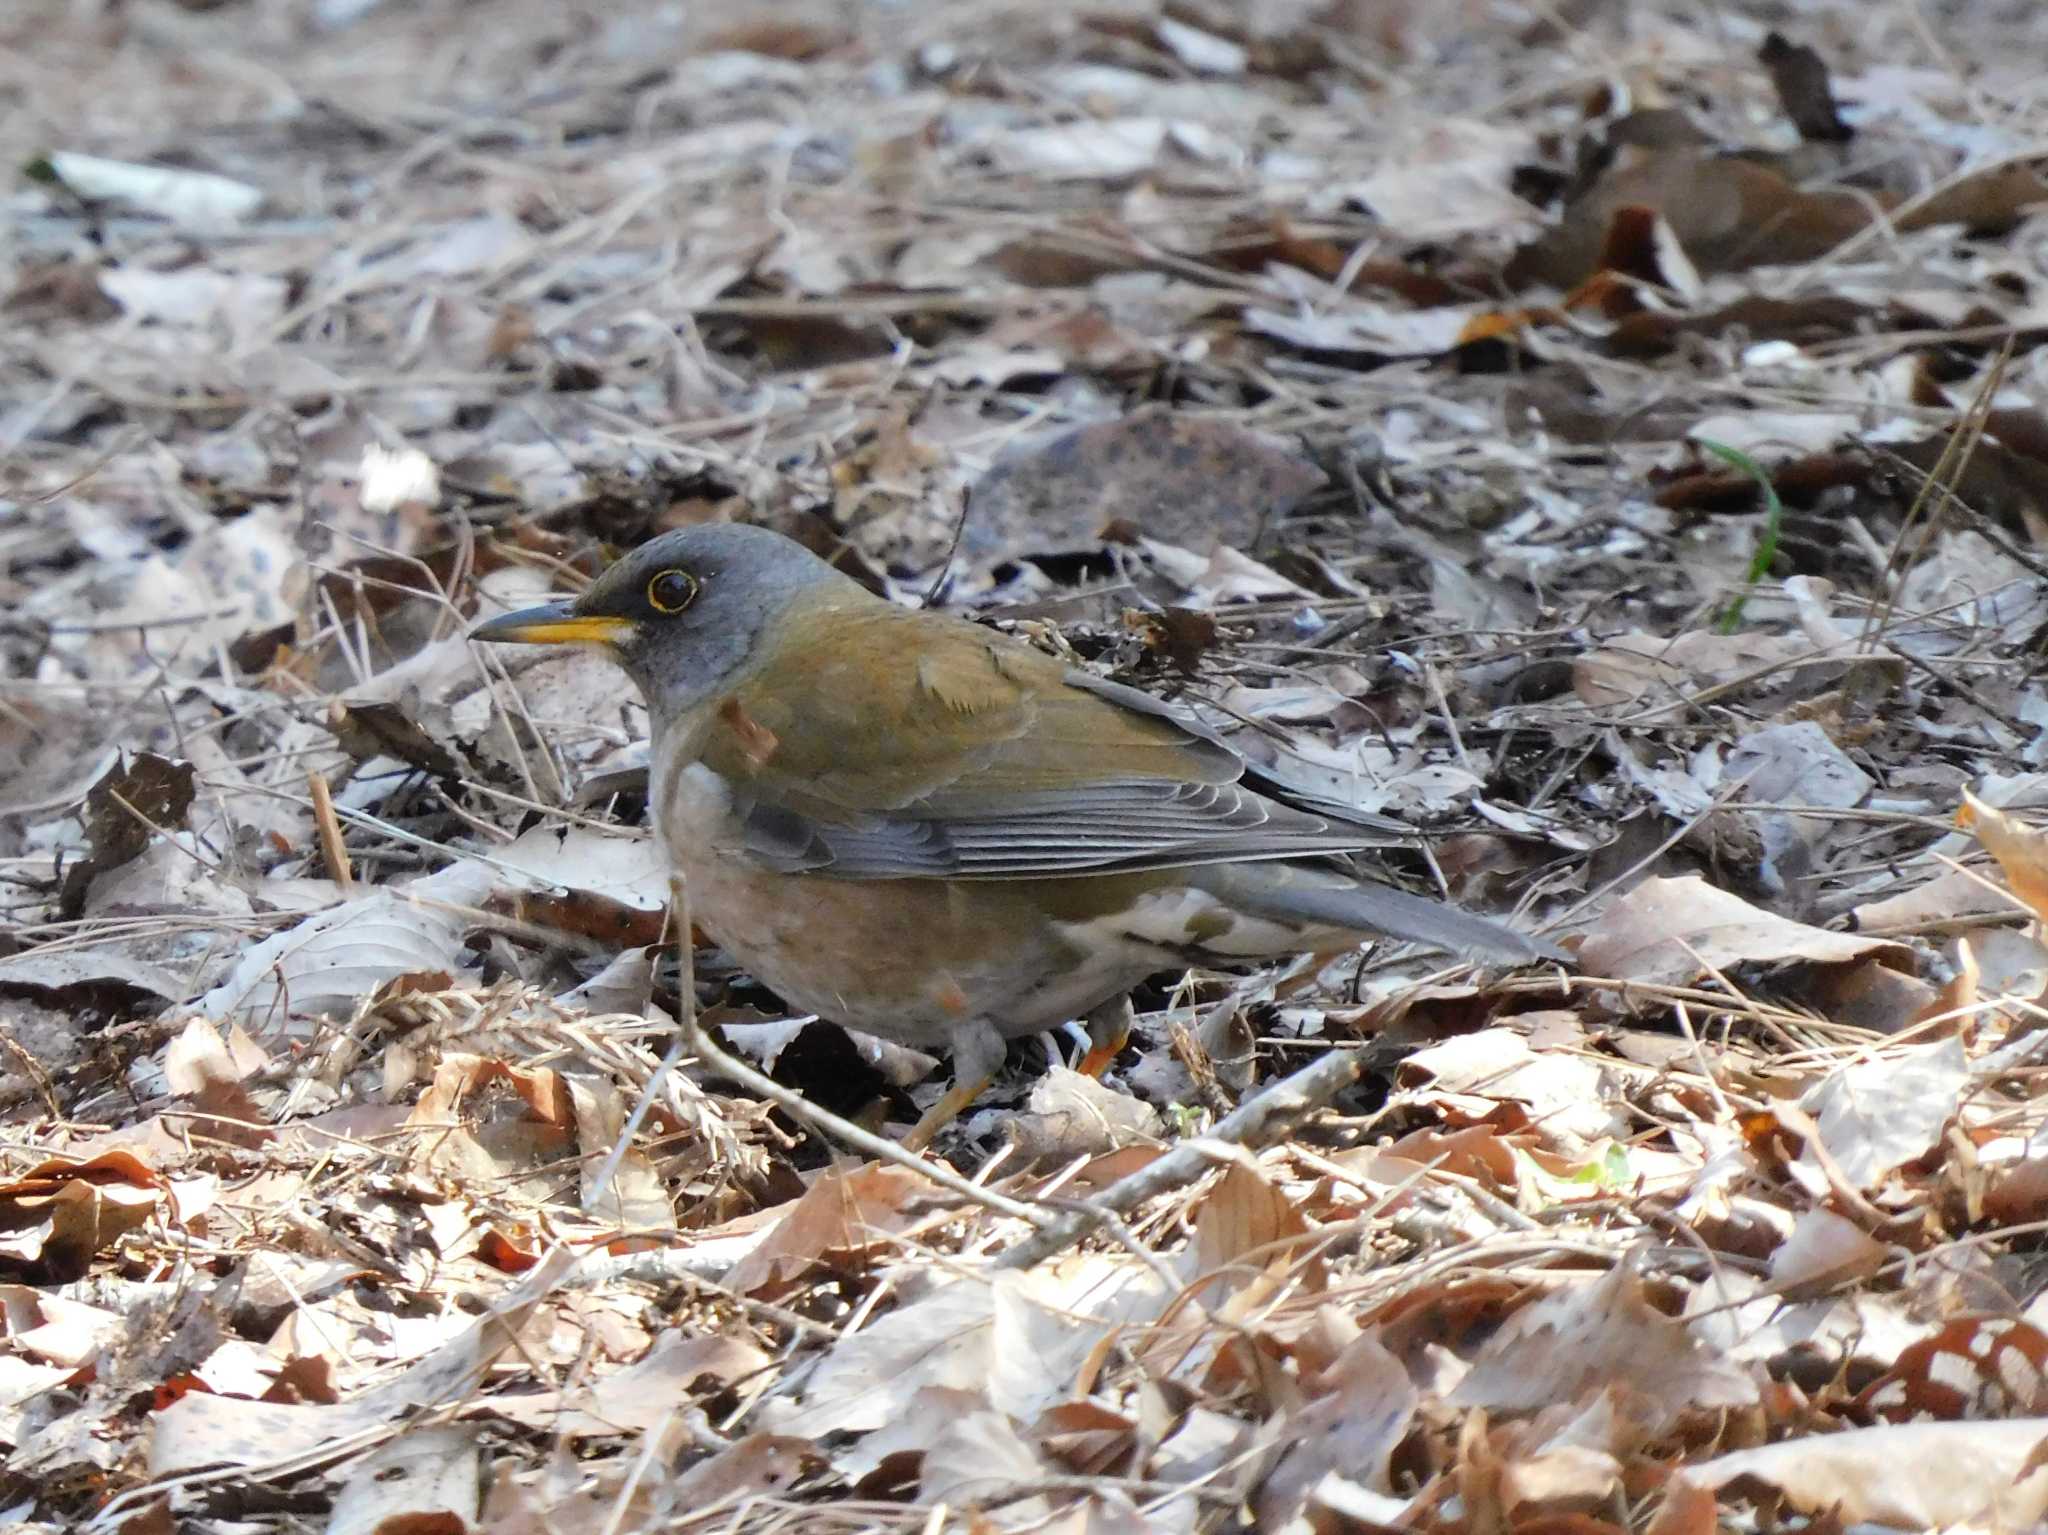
x,y
1292,893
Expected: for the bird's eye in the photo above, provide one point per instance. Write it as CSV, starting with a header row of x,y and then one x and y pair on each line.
x,y
671,591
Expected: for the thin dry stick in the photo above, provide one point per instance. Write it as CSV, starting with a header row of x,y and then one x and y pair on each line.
x,y
332,852
797,1106
1271,1113
1939,489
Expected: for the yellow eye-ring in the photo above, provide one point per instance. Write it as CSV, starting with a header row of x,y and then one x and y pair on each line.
x,y
671,591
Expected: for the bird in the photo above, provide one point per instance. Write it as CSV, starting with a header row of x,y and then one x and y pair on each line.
x,y
916,826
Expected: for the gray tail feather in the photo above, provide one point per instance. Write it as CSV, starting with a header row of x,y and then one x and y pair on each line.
x,y
1290,893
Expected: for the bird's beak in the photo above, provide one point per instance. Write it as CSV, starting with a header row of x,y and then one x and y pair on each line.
x,y
554,623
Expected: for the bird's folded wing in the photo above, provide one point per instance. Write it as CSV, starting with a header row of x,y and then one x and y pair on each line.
x,y
906,746
1112,826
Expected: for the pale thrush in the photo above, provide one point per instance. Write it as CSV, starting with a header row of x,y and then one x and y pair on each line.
x,y
915,826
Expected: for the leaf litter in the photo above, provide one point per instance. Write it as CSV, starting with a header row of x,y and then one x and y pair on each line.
x,y
1365,380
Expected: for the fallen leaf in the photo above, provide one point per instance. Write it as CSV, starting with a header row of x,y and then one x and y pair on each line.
x,y
1823,1252
329,964
1185,480
426,1480
1880,1114
848,1213
1971,1368
1245,1226
1672,931
1353,1425
1914,1476
2021,850
195,200
1594,1336
205,1430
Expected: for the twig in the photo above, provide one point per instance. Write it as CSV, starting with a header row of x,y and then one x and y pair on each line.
x,y
1261,1118
332,851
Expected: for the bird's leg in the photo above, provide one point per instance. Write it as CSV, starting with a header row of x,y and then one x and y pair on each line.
x,y
1109,1027
977,1053
1065,1045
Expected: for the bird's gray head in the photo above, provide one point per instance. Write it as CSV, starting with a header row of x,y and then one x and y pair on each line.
x,y
683,613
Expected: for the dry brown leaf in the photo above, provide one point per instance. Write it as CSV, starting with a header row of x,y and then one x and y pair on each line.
x,y
1637,666
204,1430
1352,1426
638,1397
1727,214
846,1216
55,1217
1069,1115
758,1464
974,1458
634,1197
1017,1342
2021,850
1689,1508
1246,1224
1951,894
1671,931
1598,1336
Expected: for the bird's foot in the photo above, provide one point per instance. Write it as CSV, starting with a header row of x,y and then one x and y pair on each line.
x,y
977,1056
1109,1030
945,1111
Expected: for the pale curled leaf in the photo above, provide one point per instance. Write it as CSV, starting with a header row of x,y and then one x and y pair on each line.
x,y
195,200
1649,668
426,1475
1014,1341
1880,1114
1823,1252
1912,1476
1563,1092
634,1197
330,963
978,1457
1069,1114
196,298
758,1463
1671,931
1083,150
636,1398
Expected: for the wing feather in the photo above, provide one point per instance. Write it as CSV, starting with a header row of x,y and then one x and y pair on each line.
x,y
981,759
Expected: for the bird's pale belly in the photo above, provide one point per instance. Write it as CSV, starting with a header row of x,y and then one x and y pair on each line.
x,y
907,959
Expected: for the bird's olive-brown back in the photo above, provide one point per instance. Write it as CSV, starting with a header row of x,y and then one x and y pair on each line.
x,y
874,708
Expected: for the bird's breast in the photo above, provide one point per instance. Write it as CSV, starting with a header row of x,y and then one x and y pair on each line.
x,y
692,805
